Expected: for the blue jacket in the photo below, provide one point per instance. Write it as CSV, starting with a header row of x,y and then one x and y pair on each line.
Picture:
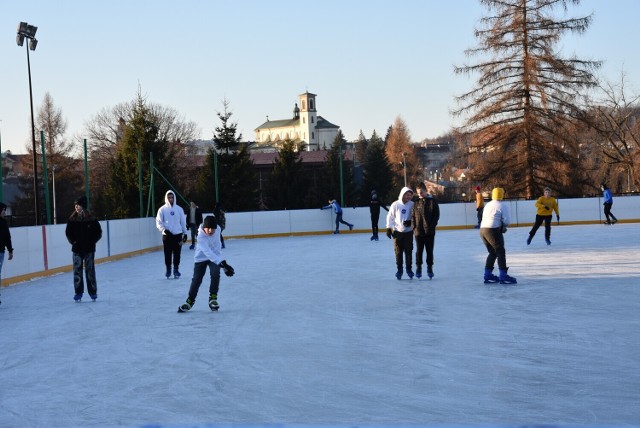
x,y
335,205
606,194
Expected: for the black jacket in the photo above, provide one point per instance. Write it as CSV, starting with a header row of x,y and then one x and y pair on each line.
x,y
5,236
83,231
425,216
198,217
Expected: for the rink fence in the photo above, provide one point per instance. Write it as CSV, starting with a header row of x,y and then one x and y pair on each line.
x,y
44,250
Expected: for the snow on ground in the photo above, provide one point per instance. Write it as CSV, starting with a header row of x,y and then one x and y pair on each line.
x,y
317,331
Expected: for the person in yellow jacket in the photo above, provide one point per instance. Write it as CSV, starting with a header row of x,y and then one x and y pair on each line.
x,y
479,206
545,205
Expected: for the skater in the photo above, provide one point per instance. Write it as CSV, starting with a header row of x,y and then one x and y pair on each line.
x,y
374,210
208,253
479,206
426,214
399,227
83,232
546,205
170,221
5,239
195,219
219,214
495,220
338,210
608,203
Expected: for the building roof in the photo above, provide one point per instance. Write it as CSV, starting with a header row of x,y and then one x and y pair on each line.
x,y
325,124
315,156
278,123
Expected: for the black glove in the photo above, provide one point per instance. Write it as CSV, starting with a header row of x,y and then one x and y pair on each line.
x,y
228,270
558,219
406,223
184,238
504,229
167,233
389,232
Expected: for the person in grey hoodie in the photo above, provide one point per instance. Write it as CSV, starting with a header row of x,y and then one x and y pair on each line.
x,y
400,229
171,222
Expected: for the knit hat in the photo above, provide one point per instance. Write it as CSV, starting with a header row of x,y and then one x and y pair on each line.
x,y
477,188
82,201
3,206
209,222
497,194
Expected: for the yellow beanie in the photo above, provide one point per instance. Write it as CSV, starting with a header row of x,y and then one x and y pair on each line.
x,y
497,194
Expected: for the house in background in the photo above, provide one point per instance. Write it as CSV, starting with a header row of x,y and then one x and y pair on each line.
x,y
306,127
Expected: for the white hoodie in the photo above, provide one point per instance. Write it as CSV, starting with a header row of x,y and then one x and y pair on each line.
x,y
208,247
171,217
399,212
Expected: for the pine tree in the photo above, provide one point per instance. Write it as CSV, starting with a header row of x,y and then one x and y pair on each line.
x,y
524,98
377,171
287,183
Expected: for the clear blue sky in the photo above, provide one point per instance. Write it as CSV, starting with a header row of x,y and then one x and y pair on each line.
x,y
368,61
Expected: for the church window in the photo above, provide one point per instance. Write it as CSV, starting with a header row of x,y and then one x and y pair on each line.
x,y
313,135
312,121
311,104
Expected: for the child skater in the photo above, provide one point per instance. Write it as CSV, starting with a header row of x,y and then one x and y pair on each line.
x,y
208,253
338,210
399,227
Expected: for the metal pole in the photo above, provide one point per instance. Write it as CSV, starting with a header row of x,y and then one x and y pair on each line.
x,y
404,165
45,179
86,174
53,175
140,181
341,184
33,142
215,173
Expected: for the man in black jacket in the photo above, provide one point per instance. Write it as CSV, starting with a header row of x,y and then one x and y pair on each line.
x,y
83,232
425,216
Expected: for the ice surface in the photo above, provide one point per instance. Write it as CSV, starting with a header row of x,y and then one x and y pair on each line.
x,y
316,330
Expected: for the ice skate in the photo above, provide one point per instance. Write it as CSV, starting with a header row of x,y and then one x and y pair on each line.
x,y
506,279
186,306
213,302
489,277
409,273
168,273
548,241
176,273
93,297
419,272
399,274
429,272
77,297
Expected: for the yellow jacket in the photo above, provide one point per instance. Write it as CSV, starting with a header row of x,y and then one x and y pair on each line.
x,y
479,200
546,206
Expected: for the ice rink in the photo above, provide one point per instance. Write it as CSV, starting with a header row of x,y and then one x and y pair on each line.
x,y
316,330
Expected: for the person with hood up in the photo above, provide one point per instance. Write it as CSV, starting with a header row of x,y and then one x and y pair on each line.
x,y
400,229
425,216
495,220
608,203
171,222
338,210
83,231
208,253
374,210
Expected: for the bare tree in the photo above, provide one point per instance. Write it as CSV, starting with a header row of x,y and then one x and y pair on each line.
x,y
616,121
524,98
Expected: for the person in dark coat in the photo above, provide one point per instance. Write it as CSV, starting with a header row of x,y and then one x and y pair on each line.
x,y
374,210
221,220
5,239
425,216
194,219
83,232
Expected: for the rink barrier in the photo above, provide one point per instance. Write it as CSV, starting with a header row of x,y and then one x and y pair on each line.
x,y
40,251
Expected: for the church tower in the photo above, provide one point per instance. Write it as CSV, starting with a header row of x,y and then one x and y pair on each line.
x,y
308,119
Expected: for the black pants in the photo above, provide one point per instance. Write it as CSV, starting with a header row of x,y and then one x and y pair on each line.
x,y
547,226
479,212
340,220
172,247
199,269
607,211
403,246
86,260
374,224
425,242
194,232
494,241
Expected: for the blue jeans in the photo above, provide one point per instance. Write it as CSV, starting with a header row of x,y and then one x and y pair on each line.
x,y
199,269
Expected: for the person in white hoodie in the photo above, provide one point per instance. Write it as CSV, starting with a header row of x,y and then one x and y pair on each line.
x,y
495,220
171,222
400,229
208,253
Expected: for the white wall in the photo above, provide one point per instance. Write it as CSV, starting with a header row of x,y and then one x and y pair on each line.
x,y
129,236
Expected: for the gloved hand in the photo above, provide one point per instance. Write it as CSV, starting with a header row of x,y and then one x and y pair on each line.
x,y
389,232
407,223
228,270
504,229
558,219
184,238
167,233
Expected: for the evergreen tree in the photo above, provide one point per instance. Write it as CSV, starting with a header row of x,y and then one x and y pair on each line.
x,y
287,183
524,99
333,171
377,171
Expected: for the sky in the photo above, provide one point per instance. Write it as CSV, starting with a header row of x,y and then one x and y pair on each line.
x,y
368,61
334,339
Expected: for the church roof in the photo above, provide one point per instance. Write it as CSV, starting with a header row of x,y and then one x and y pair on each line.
x,y
325,124
322,123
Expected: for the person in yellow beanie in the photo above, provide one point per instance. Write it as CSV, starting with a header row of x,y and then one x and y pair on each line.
x,y
495,221
545,205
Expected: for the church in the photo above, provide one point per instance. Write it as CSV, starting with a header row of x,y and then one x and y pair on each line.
x,y
305,127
